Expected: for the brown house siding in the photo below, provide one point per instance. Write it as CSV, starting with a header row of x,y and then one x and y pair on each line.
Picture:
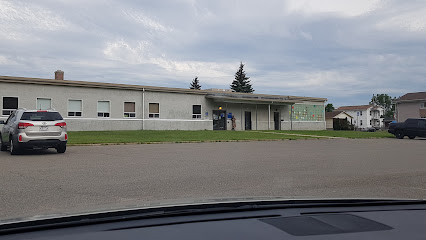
x,y
422,113
408,110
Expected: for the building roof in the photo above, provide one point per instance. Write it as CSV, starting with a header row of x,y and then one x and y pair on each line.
x,y
333,114
72,83
412,97
360,107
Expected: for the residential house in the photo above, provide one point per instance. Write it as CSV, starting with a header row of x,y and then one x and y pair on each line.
x,y
336,119
411,105
365,116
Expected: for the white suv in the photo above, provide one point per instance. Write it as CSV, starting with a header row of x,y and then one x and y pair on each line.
x,y
34,129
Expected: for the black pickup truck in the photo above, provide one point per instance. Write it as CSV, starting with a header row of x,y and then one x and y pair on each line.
x,y
412,127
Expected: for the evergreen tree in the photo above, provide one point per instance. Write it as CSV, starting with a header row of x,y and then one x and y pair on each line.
x,y
241,82
195,84
329,107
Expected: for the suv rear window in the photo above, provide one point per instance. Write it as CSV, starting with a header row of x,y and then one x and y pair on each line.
x,y
41,116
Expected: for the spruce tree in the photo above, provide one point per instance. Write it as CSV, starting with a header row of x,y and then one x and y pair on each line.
x,y
241,82
195,84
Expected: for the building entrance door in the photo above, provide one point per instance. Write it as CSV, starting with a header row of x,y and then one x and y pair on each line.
x,y
276,120
219,120
247,121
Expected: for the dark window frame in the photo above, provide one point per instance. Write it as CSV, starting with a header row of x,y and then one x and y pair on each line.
x,y
196,114
129,114
8,111
154,114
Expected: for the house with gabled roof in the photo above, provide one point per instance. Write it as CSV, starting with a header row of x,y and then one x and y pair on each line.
x,y
336,118
410,105
365,116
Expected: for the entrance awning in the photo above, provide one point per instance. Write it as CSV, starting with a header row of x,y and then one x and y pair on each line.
x,y
249,99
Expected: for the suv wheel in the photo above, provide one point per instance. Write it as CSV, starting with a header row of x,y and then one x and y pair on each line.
x,y
61,148
399,135
14,149
3,146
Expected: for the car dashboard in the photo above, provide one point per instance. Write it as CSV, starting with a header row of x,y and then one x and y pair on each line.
x,y
396,220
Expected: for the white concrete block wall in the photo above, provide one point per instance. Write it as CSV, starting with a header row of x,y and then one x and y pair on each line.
x,y
175,108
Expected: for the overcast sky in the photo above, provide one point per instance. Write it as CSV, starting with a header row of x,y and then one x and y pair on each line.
x,y
342,50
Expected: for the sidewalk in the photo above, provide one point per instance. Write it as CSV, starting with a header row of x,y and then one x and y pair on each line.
x,y
300,135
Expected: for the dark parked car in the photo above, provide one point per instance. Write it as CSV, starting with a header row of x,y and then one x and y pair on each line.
x,y
412,127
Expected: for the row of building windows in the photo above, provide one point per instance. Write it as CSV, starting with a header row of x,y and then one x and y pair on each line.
x,y
75,108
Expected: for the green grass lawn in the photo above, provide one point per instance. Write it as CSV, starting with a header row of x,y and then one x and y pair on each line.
x,y
149,136
345,134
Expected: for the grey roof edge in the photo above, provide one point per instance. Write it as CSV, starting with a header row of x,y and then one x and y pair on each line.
x,y
73,83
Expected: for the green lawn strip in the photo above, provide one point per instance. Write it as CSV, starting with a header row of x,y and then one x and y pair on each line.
x,y
343,134
150,136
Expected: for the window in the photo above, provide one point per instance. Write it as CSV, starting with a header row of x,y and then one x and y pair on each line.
x,y
74,108
411,123
44,103
103,109
360,113
9,104
196,111
41,116
423,105
129,110
360,122
154,110
371,113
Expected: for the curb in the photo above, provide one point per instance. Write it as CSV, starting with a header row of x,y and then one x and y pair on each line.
x,y
177,142
213,141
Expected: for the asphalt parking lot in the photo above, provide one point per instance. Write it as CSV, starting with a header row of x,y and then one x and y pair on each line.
x,y
98,177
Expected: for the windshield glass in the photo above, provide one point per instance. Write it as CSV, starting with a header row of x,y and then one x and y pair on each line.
x,y
166,102
41,116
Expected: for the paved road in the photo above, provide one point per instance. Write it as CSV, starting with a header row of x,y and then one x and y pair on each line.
x,y
93,177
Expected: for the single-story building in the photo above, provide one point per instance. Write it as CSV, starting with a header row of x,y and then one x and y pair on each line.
x,y
109,106
411,105
334,119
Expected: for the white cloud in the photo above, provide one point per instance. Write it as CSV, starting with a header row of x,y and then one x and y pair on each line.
x,y
342,50
341,7
19,20
141,18
122,51
412,21
305,35
5,61
329,81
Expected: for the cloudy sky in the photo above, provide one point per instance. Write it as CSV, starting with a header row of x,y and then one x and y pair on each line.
x,y
342,50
